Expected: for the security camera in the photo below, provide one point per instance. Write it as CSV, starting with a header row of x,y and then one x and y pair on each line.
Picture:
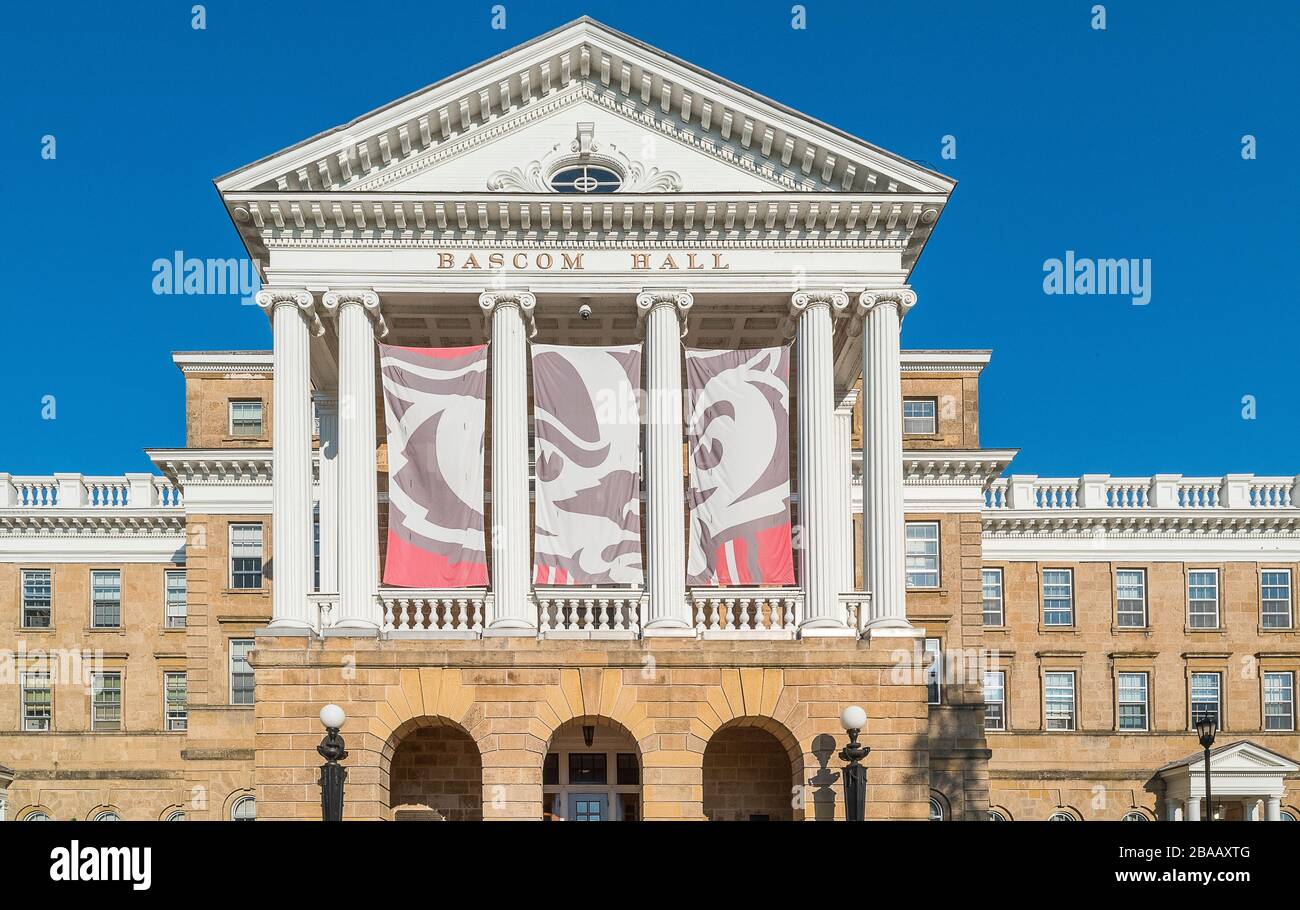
x,y
584,311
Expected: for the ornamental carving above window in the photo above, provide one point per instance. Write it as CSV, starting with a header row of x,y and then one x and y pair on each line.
x,y
585,167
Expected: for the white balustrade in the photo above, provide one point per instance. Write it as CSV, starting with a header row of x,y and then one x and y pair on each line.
x,y
570,612
747,612
420,613
75,491
856,609
1021,492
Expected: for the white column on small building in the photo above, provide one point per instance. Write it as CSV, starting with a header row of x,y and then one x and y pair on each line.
x,y
359,321
845,402
662,318
510,318
1272,808
882,454
293,319
821,507
1192,809
327,502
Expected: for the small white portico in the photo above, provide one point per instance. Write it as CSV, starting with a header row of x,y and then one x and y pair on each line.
x,y
1242,774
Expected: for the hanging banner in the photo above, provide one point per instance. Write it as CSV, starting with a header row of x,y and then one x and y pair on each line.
x,y
434,404
587,420
738,446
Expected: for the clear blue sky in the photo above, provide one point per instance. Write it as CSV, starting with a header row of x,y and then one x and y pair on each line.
x,y
1117,143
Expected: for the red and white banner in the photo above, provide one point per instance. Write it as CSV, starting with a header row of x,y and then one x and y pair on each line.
x,y
588,430
434,404
738,439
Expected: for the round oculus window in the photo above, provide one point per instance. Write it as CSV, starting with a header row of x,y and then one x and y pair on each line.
x,y
586,178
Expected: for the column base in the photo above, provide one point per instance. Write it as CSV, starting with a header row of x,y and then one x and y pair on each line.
x,y
285,629
510,631
892,627
360,630
820,628
668,629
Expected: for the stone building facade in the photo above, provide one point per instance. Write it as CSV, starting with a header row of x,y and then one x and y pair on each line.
x,y
1025,648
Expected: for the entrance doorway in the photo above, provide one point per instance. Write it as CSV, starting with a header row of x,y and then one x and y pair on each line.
x,y
592,773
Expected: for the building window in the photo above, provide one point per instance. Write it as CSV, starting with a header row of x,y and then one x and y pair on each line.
x,y
36,815
246,417
241,674
1275,598
1132,701
176,600
1279,701
244,810
993,615
106,599
995,700
246,556
108,815
1203,599
933,670
923,554
586,178
1061,817
628,771
177,815
936,810
1059,701
919,417
174,685
38,702
996,816
106,701
1135,817
37,598
1131,598
588,768
1058,597
1205,698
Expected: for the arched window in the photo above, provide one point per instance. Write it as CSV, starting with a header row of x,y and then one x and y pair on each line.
x,y
176,815
1136,817
1061,817
586,178
1286,817
936,810
996,816
244,810
108,815
36,815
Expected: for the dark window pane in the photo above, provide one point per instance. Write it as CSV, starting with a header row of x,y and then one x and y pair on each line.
x,y
629,770
587,768
551,770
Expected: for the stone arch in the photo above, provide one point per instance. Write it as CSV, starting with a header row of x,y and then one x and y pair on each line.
x,y
753,768
432,769
611,739
940,802
26,812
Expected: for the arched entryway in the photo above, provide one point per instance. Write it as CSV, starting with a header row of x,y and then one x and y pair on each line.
x,y
750,775
592,772
435,774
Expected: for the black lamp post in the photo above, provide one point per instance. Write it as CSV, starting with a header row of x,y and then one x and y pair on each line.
x,y
855,773
1206,727
332,774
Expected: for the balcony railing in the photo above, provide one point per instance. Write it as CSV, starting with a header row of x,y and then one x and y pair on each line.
x,y
564,612
1023,492
71,492
746,612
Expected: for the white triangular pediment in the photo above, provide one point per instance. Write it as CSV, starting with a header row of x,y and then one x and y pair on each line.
x,y
667,117
1246,757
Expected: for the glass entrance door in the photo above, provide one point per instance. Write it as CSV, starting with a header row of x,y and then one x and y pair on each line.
x,y
589,807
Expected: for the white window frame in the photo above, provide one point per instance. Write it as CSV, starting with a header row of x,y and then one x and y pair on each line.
x,y
1124,606
1192,700
95,602
175,713
43,681
1048,700
173,618
98,686
1121,701
998,599
237,807
1069,598
23,605
261,418
1287,677
922,559
236,552
937,813
1282,581
922,424
1001,686
242,670
1194,616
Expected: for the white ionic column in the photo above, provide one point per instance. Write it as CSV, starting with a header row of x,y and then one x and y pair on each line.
x,y
663,319
510,314
1192,809
820,493
845,402
327,502
291,502
359,321
1272,809
882,455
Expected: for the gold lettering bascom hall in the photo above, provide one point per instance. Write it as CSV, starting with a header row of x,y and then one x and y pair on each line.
x,y
482,260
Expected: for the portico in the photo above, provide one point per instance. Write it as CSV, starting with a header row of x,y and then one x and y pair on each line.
x,y
1247,784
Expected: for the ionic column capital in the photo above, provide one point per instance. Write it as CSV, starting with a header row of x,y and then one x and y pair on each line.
x,y
523,299
680,300
845,399
802,301
902,299
337,298
270,298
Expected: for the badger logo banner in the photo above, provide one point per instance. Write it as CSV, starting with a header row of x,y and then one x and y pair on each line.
x,y
434,403
738,443
588,429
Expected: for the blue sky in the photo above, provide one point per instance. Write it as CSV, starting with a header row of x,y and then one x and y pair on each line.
x,y
1122,143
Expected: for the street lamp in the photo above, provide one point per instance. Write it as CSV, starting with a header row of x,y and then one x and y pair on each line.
x,y
853,718
332,774
1206,727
